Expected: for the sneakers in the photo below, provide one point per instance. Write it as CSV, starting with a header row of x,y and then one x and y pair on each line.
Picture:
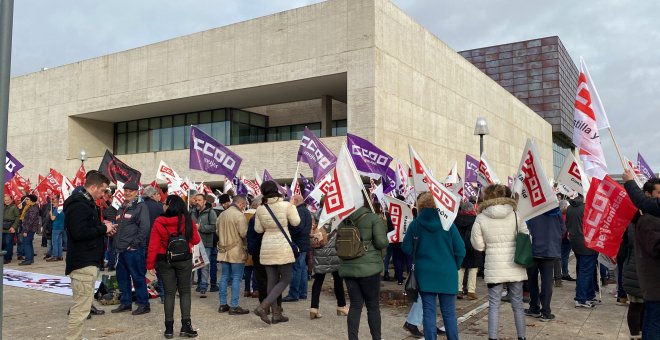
x,y
413,330
584,305
547,317
532,313
238,311
595,302
288,299
214,289
526,298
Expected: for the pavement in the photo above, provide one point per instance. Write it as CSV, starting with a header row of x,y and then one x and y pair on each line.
x,y
31,314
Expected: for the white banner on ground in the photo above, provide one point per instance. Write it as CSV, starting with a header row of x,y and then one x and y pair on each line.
x,y
36,281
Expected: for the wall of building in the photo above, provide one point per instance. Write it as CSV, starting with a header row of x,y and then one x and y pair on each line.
x,y
308,111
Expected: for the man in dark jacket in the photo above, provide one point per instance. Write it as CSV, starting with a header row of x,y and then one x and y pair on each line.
x,y
151,198
585,289
546,231
300,237
29,226
84,256
130,241
10,220
206,219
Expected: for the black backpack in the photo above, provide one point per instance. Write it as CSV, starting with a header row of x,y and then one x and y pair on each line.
x,y
177,248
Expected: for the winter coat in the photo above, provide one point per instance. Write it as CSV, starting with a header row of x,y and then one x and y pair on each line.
x,y
31,220
648,205
132,226
10,218
207,222
253,239
231,229
155,209
439,252
325,258
163,227
464,222
374,233
647,255
46,222
574,215
546,231
275,250
85,232
630,279
300,234
494,231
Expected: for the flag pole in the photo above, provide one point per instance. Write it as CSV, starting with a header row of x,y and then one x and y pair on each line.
x,y
359,180
616,146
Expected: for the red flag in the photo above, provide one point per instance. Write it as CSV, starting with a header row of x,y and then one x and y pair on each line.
x,y
163,197
607,212
12,189
79,179
22,182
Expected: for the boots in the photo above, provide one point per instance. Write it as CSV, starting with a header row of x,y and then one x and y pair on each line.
x,y
261,312
186,329
278,315
169,329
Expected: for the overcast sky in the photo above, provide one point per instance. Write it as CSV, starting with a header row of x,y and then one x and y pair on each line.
x,y
619,40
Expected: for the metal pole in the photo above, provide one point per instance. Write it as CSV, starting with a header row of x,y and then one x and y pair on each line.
x,y
6,21
481,145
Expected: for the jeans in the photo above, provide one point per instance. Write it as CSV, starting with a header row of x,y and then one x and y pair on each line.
x,y
235,272
298,287
494,300
28,247
112,254
471,279
130,265
250,279
203,282
620,292
361,291
388,257
651,324
545,267
213,267
399,263
565,254
416,313
279,277
8,245
176,276
585,286
338,289
57,243
448,309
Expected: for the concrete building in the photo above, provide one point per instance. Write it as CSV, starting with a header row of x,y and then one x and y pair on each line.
x,y
362,66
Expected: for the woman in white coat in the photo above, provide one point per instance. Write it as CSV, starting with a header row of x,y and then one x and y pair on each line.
x,y
494,231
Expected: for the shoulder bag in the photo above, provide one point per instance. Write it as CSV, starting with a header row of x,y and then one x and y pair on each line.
x,y
523,256
411,287
294,247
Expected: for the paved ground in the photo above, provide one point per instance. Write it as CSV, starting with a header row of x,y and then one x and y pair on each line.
x,y
30,314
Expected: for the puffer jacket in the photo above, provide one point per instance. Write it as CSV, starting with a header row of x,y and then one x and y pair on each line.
x,y
275,250
325,258
494,231
630,280
231,231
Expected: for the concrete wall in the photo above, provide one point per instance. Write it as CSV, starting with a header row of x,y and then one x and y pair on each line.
x,y
308,111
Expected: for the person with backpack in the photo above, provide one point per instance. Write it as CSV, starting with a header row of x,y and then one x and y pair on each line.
x,y
360,239
170,251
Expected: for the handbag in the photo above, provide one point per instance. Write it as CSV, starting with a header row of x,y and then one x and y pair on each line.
x,y
523,255
294,248
411,287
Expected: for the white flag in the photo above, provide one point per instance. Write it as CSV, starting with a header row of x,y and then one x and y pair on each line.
x,y
295,186
321,188
401,216
638,177
118,197
596,103
257,178
344,192
572,176
229,185
66,188
446,202
166,173
536,196
486,175
417,173
452,177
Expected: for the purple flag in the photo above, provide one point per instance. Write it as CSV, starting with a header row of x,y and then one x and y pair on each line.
x,y
12,165
307,186
268,177
207,154
369,159
644,167
313,152
471,168
241,189
389,181
469,190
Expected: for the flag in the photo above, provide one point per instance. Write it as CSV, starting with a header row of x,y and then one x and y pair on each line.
x,y
295,186
637,174
313,152
257,178
644,167
239,186
469,191
344,192
389,181
401,216
209,155
471,168
268,177
417,172
369,160
252,187
12,189
486,175
51,183
166,173
572,176
66,189
607,212
446,202
402,182
79,178
22,182
229,185
589,117
452,177
536,195
118,196
321,188
117,170
12,165
307,186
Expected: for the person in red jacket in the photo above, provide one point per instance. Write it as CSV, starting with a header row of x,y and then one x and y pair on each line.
x,y
176,221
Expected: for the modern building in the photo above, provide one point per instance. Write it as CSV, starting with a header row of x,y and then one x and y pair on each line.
x,y
540,73
361,66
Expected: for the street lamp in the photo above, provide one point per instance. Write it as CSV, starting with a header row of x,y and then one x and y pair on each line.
x,y
481,129
83,156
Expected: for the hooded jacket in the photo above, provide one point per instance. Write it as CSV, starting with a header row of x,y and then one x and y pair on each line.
x,y
374,233
275,250
546,231
163,227
494,231
464,222
574,215
85,232
439,252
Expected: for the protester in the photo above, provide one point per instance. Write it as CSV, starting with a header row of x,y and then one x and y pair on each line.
x,y
231,228
225,202
473,259
30,225
631,283
47,225
585,288
206,219
84,256
546,231
152,200
10,220
494,231
300,237
565,247
326,261
249,273
362,274
276,246
130,241
57,225
109,213
439,254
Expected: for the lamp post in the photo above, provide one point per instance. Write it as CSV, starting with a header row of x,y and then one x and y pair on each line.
x,y
83,156
481,129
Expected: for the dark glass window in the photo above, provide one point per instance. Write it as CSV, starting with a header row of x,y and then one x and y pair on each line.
x,y
339,127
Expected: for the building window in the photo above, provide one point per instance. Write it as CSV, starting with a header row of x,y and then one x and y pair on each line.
x,y
291,132
339,127
559,154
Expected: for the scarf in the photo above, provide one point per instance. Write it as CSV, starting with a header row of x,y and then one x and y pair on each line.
x,y
27,206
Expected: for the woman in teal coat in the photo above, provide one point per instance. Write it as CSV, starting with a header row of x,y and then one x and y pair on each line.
x,y
437,261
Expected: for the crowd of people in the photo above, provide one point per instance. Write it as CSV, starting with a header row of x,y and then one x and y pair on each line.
x,y
275,243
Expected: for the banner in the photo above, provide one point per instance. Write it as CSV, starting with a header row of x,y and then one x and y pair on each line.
x,y
166,173
486,174
116,170
12,165
471,169
469,191
417,172
118,196
369,160
307,186
344,192
536,195
268,177
46,283
209,155
389,181
644,167
637,174
313,152
572,176
401,216
607,213
252,187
